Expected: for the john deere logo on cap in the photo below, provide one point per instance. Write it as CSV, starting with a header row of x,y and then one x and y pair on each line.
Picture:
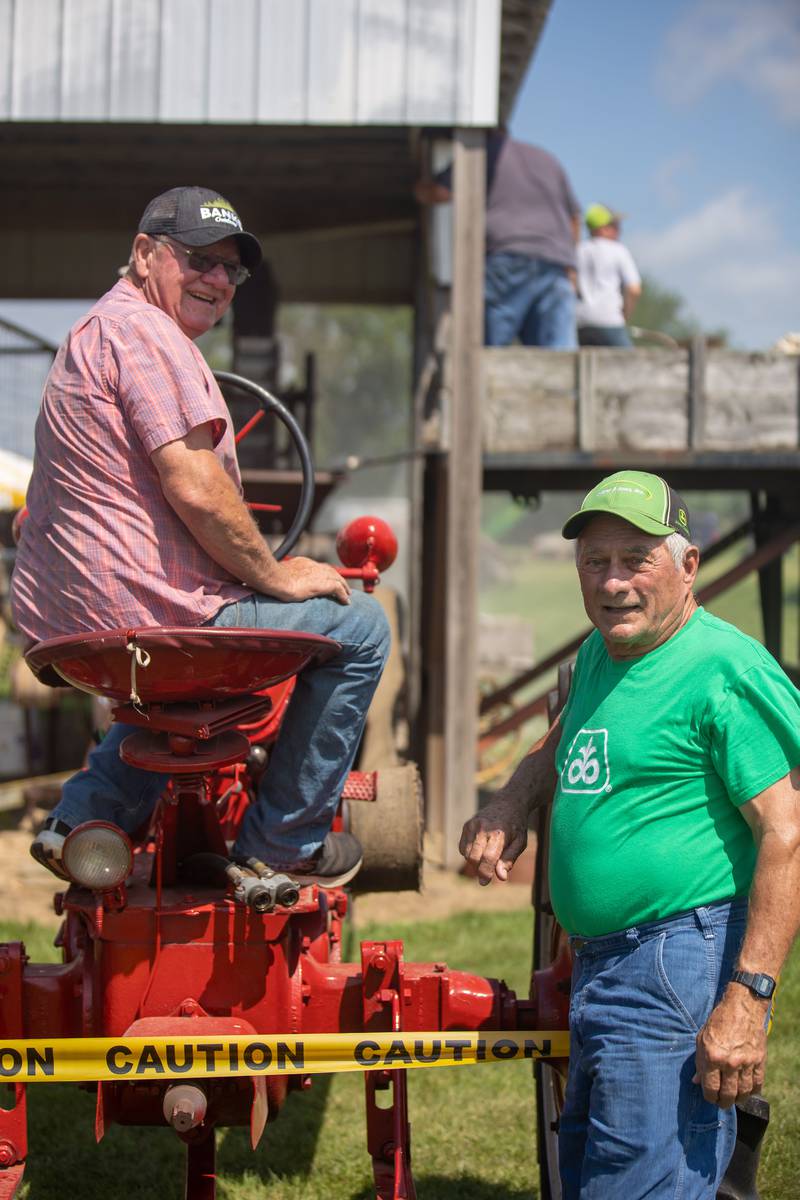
x,y
632,489
682,517
220,212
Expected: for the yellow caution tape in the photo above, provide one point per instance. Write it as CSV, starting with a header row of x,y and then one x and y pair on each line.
x,y
78,1060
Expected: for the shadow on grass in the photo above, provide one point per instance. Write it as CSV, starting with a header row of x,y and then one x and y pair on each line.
x,y
465,1187
148,1161
64,1160
288,1146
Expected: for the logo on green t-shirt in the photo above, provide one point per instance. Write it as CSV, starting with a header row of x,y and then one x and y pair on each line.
x,y
586,766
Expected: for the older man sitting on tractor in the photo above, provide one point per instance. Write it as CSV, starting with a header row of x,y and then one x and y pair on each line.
x,y
674,854
136,518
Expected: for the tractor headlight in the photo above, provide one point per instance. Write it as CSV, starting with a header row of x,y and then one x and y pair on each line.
x,y
97,856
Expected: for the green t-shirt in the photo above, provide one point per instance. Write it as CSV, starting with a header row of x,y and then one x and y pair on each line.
x,y
656,755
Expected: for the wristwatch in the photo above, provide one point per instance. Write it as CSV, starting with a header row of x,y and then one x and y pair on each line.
x,y
762,986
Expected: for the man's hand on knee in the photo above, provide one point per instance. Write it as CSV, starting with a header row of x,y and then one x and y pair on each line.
x,y
732,1050
304,578
494,838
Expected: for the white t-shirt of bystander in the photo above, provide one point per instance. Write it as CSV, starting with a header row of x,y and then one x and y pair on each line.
x,y
605,268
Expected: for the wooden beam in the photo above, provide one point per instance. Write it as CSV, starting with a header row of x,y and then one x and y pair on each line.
x,y
697,392
585,397
654,401
464,475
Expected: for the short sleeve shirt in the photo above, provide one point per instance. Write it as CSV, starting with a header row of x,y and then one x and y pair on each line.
x,y
102,547
656,757
530,205
605,269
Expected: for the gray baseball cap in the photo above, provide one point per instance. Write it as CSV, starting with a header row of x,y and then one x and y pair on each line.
x,y
198,216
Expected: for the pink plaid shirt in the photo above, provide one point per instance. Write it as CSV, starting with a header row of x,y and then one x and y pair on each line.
x,y
102,548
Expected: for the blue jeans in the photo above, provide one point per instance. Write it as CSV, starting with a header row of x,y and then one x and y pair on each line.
x,y
605,335
634,1124
300,789
528,298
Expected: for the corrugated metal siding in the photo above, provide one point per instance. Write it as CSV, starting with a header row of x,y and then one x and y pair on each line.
x,y
134,66
343,62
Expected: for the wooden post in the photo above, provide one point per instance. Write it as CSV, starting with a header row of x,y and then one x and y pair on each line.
x,y
697,392
769,519
585,366
464,488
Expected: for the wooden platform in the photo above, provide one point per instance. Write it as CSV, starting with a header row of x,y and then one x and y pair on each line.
x,y
547,420
655,404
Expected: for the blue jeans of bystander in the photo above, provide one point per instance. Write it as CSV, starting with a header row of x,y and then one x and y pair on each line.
x,y
531,299
315,749
634,1124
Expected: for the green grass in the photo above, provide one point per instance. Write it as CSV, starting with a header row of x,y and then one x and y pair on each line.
x,y
472,1127
780,1161
317,1149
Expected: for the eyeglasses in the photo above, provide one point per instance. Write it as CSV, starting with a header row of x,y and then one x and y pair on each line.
x,y
203,263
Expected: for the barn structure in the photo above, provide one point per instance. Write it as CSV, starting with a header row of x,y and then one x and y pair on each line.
x,y
318,118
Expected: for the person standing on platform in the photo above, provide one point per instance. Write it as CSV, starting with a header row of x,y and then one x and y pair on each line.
x,y
532,226
609,283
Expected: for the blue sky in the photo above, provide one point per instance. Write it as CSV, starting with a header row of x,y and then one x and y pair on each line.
x,y
684,114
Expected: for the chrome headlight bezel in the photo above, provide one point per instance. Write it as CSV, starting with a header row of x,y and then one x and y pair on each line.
x,y
97,838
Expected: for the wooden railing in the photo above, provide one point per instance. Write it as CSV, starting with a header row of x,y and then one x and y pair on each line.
x,y
650,401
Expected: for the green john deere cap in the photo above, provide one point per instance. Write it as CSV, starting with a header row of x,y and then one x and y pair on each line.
x,y
599,215
644,500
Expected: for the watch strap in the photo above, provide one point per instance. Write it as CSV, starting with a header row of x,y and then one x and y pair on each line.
x,y
762,986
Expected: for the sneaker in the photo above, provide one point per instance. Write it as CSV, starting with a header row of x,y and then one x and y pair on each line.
x,y
335,863
48,844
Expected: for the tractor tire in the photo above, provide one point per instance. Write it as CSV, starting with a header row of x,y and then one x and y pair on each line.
x,y
390,831
550,1083
548,938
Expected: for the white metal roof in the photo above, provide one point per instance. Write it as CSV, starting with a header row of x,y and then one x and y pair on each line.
x,y
343,62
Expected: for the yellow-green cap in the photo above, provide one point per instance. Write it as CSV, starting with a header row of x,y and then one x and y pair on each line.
x,y
600,215
644,500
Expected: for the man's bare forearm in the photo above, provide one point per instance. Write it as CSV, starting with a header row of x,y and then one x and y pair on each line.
x,y
630,298
218,519
494,838
534,780
732,1046
773,918
208,502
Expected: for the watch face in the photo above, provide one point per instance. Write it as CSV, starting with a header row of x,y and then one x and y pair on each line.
x,y
760,984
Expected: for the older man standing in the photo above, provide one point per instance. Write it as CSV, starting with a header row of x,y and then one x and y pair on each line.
x,y
137,519
674,771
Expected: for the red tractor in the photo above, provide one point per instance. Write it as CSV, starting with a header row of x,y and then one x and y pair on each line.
x,y
164,936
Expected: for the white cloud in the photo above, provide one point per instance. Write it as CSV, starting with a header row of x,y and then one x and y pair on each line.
x,y
667,175
733,219
756,45
729,260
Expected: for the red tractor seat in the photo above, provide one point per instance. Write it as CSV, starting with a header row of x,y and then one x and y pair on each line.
x,y
182,663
